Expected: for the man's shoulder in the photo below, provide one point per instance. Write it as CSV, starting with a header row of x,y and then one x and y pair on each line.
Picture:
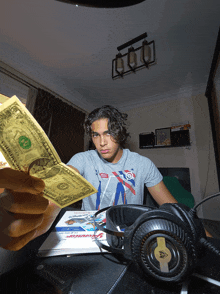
x,y
137,159
135,155
84,156
88,153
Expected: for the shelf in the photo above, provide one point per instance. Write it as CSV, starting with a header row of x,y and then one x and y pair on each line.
x,y
177,139
162,146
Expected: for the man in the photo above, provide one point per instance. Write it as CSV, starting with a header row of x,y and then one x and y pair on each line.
x,y
118,174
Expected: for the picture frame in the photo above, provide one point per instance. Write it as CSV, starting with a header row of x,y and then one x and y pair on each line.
x,y
163,137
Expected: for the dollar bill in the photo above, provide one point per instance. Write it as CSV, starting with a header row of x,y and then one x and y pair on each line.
x,y
26,147
3,98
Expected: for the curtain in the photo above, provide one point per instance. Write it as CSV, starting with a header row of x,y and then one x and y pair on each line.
x,y
31,99
62,123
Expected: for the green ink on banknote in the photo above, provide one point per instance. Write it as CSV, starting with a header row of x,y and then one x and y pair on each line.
x,y
24,142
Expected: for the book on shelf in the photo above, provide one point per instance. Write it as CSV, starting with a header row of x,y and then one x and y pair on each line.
x,y
74,234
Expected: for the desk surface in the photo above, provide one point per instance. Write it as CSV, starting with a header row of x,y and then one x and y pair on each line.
x,y
100,274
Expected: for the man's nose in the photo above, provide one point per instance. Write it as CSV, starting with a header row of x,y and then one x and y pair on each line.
x,y
102,141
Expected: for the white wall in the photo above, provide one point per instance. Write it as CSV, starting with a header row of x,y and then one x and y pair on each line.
x,y
10,87
199,157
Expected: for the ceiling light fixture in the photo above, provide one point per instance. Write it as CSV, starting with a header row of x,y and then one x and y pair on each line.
x,y
103,4
146,53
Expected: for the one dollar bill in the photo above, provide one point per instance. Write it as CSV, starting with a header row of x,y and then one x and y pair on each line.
x,y
26,147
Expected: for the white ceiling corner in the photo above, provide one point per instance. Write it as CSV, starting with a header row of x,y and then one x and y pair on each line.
x,y
69,49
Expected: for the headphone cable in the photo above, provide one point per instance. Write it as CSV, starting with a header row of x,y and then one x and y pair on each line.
x,y
203,241
192,212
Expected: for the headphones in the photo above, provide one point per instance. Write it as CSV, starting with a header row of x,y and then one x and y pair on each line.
x,y
165,242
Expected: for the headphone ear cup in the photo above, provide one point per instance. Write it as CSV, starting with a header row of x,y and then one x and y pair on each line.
x,y
195,228
115,241
182,212
163,250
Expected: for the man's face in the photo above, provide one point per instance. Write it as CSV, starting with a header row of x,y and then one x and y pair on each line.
x,y
104,142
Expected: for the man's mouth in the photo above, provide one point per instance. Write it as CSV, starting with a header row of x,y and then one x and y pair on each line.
x,y
104,151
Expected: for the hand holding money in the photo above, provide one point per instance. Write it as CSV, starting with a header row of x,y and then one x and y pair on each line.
x,y
26,147
24,213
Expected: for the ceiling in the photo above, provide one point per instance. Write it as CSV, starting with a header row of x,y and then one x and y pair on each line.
x,y
70,48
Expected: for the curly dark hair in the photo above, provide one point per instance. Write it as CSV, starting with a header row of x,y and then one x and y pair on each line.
x,y
116,122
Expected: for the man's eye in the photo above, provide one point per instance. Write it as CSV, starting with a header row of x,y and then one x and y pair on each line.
x,y
95,135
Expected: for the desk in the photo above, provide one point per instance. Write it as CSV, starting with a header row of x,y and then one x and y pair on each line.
x,y
100,274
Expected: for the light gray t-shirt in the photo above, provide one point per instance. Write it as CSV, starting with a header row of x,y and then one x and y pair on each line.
x,y
116,183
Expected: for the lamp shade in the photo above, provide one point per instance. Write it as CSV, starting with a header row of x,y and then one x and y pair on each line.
x,y
119,63
145,52
132,58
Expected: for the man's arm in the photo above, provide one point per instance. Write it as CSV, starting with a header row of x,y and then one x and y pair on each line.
x,y
74,168
161,194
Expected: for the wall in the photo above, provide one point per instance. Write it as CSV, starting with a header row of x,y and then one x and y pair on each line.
x,y
199,157
10,87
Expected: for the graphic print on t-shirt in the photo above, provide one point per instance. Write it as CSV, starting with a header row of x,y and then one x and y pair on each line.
x,y
115,186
